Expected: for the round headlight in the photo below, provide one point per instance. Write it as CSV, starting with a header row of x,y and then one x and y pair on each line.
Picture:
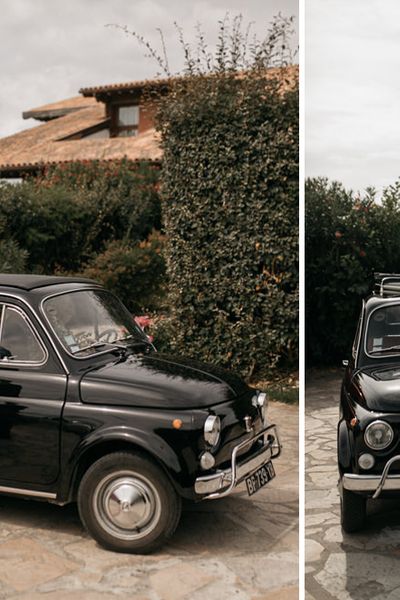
x,y
378,435
212,430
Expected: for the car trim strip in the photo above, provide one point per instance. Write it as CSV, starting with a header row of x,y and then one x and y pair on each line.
x,y
26,492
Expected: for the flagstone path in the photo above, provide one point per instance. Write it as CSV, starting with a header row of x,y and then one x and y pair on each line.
x,y
362,566
239,547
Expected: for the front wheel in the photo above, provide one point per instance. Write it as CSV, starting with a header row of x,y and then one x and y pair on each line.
x,y
128,504
353,510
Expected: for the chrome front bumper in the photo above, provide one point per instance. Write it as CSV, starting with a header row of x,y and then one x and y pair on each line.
x,y
373,483
222,482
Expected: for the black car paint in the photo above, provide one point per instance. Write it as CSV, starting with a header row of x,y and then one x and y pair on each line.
x,y
370,391
56,417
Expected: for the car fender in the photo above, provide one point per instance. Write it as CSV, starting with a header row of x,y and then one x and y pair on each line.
x,y
107,437
343,445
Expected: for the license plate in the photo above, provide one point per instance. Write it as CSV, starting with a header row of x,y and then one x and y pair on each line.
x,y
260,478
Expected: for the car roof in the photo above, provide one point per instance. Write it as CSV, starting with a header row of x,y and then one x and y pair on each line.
x,y
31,282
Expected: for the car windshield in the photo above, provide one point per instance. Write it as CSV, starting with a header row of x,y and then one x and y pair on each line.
x,y
383,332
88,321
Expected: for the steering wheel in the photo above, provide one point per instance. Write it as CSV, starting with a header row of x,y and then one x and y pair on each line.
x,y
109,335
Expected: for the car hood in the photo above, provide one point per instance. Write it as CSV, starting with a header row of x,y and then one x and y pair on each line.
x,y
160,381
378,389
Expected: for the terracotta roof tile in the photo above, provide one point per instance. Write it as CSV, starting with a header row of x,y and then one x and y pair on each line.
x,y
58,109
290,73
127,85
40,145
45,144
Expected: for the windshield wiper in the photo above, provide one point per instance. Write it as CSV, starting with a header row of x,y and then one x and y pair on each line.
x,y
129,337
122,339
99,345
397,347
114,344
94,345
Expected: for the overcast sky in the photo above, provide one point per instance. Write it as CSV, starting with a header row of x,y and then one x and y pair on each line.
x,y
52,48
353,91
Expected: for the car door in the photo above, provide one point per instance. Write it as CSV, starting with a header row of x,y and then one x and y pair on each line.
x,y
32,393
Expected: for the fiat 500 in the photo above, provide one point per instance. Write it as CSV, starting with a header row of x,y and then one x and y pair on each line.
x,y
369,424
90,412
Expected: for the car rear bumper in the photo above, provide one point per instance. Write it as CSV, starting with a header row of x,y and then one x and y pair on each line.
x,y
222,482
373,483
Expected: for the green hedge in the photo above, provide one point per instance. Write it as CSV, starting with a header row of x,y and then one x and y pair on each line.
x,y
135,273
66,216
230,209
92,218
348,237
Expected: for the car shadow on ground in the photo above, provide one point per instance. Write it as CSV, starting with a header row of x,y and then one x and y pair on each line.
x,y
229,524
374,550
233,524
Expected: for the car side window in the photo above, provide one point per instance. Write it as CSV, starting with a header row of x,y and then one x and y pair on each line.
x,y
17,336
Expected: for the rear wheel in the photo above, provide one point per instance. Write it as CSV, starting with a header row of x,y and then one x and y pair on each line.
x,y
353,510
128,504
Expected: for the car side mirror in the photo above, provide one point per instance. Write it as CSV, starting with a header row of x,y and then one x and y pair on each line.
x,y
345,363
4,353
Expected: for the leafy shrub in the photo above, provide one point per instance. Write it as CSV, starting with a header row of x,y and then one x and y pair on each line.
x,y
121,193
348,237
89,217
12,257
230,210
135,273
69,214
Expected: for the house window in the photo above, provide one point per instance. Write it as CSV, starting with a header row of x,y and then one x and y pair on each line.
x,y
126,120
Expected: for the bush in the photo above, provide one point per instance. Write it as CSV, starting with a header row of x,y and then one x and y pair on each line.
x,y
69,214
88,218
348,237
135,273
12,257
123,196
230,210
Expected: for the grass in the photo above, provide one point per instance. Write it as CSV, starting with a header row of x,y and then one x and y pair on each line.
x,y
284,387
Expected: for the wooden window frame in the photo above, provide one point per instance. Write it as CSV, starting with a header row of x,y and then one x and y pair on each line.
x,y
115,129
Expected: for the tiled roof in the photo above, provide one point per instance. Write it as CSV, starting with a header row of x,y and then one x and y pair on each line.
x,y
41,146
58,109
289,73
126,86
46,143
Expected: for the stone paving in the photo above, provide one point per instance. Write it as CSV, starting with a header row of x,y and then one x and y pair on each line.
x,y
239,547
362,566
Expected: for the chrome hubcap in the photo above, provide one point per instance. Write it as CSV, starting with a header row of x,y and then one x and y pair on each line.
x,y
127,505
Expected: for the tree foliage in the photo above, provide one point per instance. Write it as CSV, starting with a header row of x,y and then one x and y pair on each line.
x,y
348,237
90,217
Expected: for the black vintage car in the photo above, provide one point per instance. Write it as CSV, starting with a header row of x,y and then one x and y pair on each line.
x,y
369,424
90,412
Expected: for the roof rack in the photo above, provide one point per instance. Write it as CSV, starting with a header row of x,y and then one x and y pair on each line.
x,y
387,284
